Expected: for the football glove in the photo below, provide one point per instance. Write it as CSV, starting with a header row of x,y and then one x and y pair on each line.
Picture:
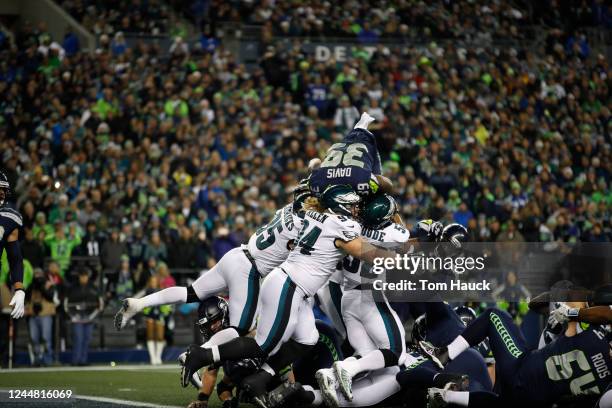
x,y
562,313
17,303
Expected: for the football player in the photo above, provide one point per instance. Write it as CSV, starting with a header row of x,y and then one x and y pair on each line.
x,y
213,317
329,231
374,330
10,224
577,364
238,272
355,161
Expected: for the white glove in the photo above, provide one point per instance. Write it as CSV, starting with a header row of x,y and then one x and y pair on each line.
x,y
562,312
17,303
435,230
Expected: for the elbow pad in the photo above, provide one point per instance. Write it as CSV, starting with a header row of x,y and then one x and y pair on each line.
x,y
15,260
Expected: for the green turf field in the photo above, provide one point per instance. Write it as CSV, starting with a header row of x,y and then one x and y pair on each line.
x,y
155,385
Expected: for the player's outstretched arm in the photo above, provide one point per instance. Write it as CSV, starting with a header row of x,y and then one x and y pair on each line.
x,y
595,314
360,248
15,260
564,312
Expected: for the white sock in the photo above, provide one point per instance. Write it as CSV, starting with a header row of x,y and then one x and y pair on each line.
x,y
371,361
159,350
151,350
168,296
317,394
215,353
457,346
221,337
457,397
364,121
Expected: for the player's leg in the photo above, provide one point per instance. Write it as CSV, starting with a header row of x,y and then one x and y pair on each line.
x,y
441,397
356,331
243,286
373,389
330,298
505,338
423,373
303,338
208,284
358,338
386,331
280,300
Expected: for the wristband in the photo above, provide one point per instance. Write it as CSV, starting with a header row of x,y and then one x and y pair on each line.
x,y
202,397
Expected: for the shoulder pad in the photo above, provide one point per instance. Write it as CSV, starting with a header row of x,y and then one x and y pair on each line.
x,y
12,214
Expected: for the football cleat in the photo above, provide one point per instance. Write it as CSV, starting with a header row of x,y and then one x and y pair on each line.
x,y
328,384
345,380
256,385
195,379
128,309
439,355
453,382
195,358
436,397
280,394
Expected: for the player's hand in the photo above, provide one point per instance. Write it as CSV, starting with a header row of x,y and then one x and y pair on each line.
x,y
17,303
198,404
435,230
562,312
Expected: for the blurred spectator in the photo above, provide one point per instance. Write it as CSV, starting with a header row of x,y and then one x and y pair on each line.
x,y
61,246
156,249
32,249
40,307
165,279
203,258
346,115
222,243
92,242
112,251
71,43
82,305
182,253
122,285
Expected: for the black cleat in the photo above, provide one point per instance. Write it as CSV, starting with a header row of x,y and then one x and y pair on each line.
x,y
439,355
196,358
453,382
282,393
256,385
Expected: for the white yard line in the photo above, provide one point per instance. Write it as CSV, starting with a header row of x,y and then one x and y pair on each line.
x,y
124,402
133,367
118,401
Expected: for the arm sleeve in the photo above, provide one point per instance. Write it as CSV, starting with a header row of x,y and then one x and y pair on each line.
x,y
15,260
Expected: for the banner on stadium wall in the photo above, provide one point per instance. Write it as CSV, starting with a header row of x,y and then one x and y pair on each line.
x,y
323,50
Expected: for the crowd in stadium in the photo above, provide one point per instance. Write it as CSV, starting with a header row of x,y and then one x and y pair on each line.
x,y
186,155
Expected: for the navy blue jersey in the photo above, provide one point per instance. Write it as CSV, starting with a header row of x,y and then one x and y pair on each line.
x,y
9,220
575,365
354,161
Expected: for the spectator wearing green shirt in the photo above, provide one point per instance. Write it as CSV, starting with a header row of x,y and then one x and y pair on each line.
x,y
61,246
40,225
